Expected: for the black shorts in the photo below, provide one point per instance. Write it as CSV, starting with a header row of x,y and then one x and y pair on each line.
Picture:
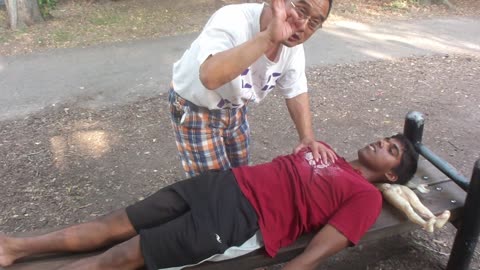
x,y
192,220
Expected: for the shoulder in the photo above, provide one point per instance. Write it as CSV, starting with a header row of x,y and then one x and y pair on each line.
x,y
238,22
231,13
369,196
364,191
294,55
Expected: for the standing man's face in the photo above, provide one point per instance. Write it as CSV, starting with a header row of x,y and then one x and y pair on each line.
x,y
312,13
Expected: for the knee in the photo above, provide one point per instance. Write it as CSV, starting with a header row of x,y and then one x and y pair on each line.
x,y
126,255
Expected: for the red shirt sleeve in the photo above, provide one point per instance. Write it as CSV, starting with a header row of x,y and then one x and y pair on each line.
x,y
357,215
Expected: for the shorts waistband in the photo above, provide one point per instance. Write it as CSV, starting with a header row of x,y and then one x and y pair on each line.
x,y
175,99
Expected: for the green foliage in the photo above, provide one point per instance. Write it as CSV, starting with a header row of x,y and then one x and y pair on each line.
x,y
60,36
105,19
46,6
401,4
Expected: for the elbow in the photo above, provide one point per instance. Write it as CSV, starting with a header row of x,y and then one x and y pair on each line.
x,y
208,78
208,82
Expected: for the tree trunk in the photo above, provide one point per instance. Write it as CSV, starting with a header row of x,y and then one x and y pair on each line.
x,y
23,13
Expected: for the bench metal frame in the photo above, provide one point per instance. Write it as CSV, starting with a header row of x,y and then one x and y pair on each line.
x,y
468,232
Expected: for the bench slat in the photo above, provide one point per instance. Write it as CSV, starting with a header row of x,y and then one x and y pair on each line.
x,y
426,174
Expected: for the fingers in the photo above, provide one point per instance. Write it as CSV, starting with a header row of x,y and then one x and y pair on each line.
x,y
323,154
318,154
277,6
291,13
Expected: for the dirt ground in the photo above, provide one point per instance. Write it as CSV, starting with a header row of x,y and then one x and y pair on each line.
x,y
68,164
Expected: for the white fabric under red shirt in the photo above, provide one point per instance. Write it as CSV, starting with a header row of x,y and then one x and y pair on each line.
x,y
294,195
230,27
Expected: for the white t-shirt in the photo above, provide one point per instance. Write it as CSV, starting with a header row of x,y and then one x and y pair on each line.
x,y
229,27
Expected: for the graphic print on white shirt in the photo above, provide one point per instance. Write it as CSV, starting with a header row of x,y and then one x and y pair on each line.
x,y
251,90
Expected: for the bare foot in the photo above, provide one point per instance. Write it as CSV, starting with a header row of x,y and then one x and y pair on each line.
x,y
7,254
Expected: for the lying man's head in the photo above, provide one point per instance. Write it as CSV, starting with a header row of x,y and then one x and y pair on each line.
x,y
391,159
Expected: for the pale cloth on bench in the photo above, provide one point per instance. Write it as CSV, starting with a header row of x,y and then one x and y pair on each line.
x,y
253,243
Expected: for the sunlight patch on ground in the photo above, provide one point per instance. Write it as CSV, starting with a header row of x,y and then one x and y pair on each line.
x,y
91,144
466,44
353,25
58,148
377,54
360,37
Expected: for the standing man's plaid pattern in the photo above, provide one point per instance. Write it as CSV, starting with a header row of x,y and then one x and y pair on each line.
x,y
209,139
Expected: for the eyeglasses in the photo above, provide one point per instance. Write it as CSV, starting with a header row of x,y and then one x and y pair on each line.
x,y
304,14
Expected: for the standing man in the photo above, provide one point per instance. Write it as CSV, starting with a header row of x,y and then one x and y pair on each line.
x,y
243,53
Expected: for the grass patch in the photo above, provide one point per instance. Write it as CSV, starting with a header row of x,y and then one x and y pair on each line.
x,y
105,19
60,36
401,4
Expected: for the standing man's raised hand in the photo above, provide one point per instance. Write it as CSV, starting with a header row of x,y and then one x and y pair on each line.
x,y
285,22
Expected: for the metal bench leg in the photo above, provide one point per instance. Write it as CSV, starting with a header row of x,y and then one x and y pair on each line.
x,y
467,235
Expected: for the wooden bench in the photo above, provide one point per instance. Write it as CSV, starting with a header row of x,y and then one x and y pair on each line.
x,y
444,194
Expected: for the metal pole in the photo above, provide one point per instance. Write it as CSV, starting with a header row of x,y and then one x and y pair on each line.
x,y
443,166
467,235
413,128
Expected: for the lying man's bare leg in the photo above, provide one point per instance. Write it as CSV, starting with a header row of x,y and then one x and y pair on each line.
x,y
126,255
107,230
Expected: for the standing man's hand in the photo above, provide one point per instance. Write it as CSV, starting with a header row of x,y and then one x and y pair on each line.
x,y
285,22
320,152
299,110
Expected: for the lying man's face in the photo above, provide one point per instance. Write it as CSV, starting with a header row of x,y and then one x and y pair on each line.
x,y
382,156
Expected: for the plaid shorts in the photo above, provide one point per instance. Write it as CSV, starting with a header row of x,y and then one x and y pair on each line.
x,y
209,139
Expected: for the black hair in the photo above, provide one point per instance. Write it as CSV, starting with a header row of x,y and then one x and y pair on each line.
x,y
330,3
408,164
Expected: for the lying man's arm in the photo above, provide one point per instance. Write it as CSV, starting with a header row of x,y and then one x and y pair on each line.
x,y
326,242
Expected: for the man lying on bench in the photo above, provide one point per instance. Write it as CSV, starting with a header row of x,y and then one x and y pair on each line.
x,y
233,212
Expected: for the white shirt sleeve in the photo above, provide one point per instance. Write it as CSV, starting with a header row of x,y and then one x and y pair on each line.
x,y
293,81
224,30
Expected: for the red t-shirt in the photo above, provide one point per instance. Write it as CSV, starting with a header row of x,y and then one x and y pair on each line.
x,y
293,195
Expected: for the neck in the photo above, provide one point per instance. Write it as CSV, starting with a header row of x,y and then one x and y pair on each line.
x,y
371,176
